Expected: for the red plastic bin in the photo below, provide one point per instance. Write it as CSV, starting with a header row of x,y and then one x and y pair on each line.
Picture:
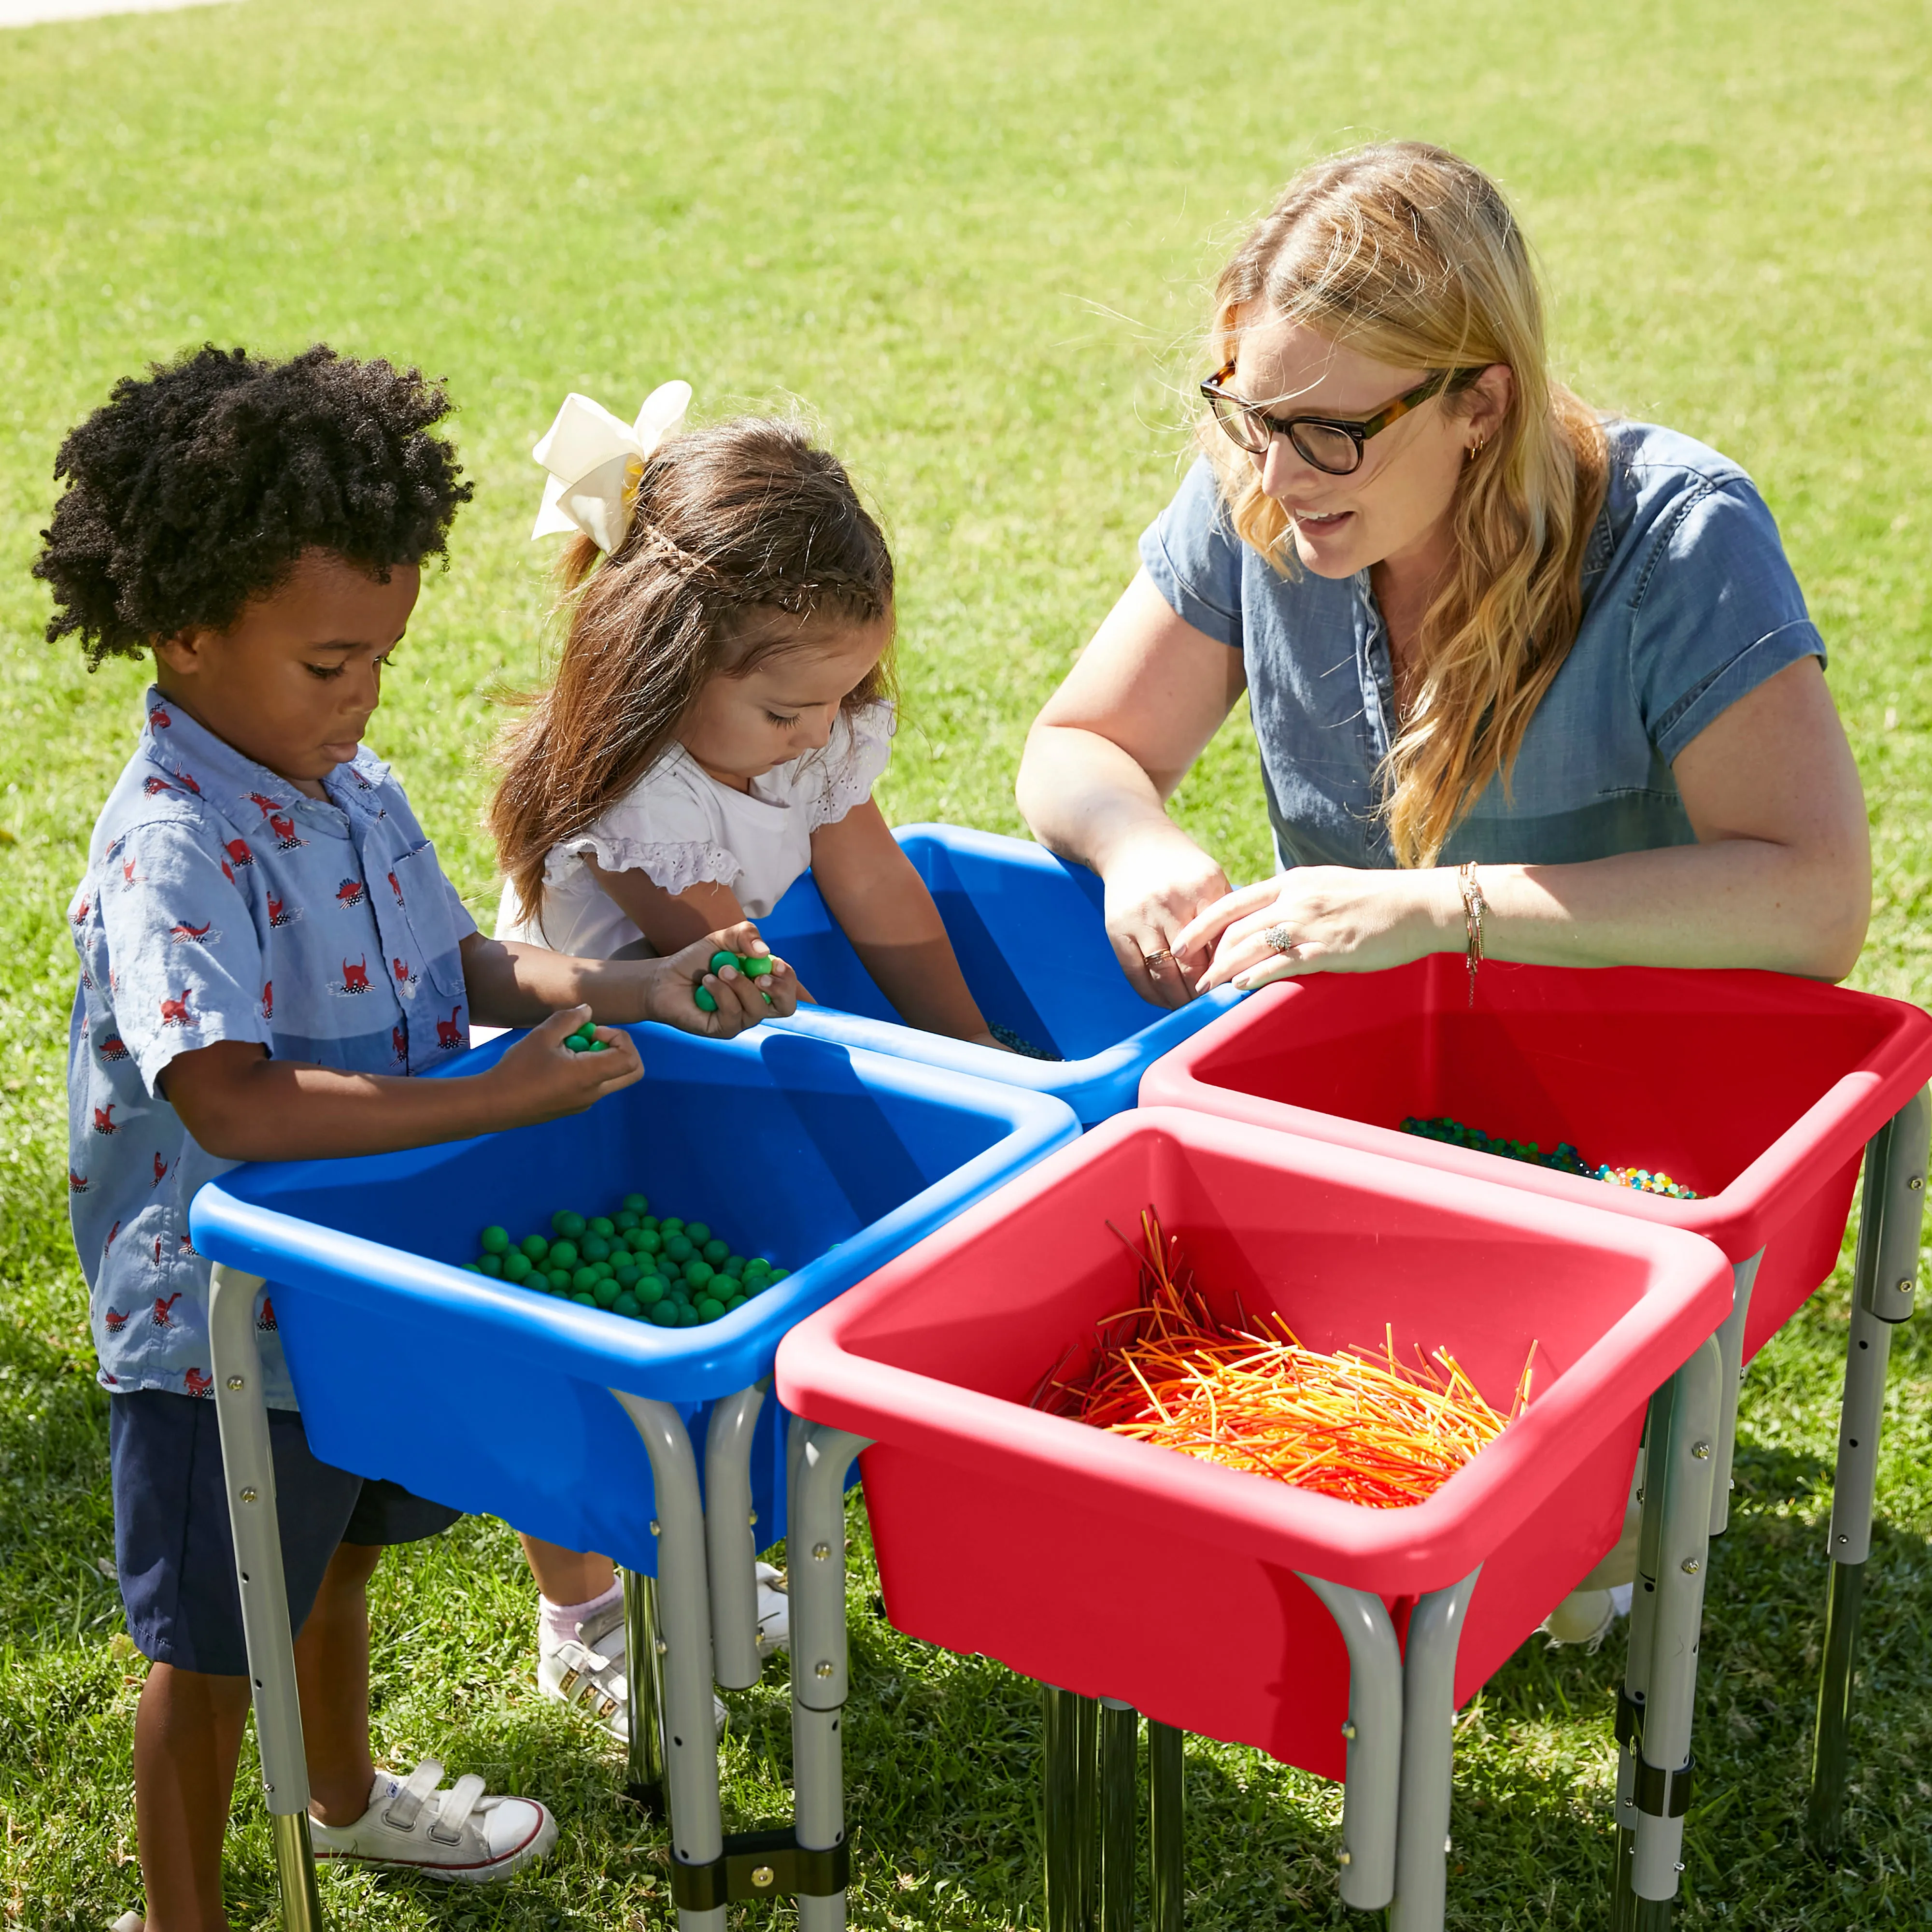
x,y
1757,1090
1115,1568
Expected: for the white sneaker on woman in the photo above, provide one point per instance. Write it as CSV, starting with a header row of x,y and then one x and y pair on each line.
x,y
461,1833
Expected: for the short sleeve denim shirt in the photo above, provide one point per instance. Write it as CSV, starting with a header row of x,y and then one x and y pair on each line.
x,y
1689,604
221,904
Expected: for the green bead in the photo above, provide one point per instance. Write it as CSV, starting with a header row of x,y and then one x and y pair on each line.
x,y
678,1247
567,1224
698,1273
558,1279
584,1300
688,1317
647,1224
627,1275
779,1274
470,1267
670,1225
571,1044
701,998
626,1305
605,1292
716,1251
583,1279
636,1203
757,965
709,1309
646,1241
495,1240
626,1221
491,1264
721,959
664,1314
594,1248
598,1046
601,1224
516,1264
563,1254
697,1233
735,1265
650,1289
732,1307
536,1247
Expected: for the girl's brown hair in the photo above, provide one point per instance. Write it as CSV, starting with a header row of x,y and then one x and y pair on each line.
x,y
1412,255
739,535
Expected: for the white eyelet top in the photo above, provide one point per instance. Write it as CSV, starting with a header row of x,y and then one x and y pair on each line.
x,y
681,827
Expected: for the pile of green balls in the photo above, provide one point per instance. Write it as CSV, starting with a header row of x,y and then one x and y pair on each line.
x,y
754,966
674,1273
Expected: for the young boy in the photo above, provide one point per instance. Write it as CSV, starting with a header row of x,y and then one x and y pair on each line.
x,y
269,952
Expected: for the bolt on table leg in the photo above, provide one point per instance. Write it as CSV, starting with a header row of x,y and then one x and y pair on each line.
x,y
731,1549
248,1474
1731,1349
1428,1757
1167,1843
1680,1466
821,1669
1372,1785
644,1766
1118,1776
684,1608
1886,1279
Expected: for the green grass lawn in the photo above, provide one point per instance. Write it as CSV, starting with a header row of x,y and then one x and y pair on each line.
x,y
972,240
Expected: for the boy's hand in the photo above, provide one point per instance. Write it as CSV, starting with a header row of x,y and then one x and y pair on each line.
x,y
742,999
540,1079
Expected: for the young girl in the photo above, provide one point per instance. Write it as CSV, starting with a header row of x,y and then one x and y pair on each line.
x,y
721,710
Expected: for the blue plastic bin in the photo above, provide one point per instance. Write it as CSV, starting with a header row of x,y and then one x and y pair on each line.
x,y
492,1398
1028,932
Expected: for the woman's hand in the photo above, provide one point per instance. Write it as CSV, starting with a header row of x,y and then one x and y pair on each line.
x,y
669,986
540,1079
1160,885
1329,918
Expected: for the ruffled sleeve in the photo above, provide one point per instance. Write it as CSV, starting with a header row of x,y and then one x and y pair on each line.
x,y
852,763
667,826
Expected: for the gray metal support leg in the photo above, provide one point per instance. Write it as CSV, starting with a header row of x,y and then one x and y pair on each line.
x,y
820,1458
1059,1777
1086,1813
1731,1348
1118,1767
1678,1474
691,1733
644,1769
1371,1792
1428,1755
1166,1827
248,1473
731,1546
1885,1285
1636,1670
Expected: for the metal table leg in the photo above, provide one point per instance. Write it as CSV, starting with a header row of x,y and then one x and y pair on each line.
x,y
820,1671
1117,1769
1731,1348
1059,1777
1636,1672
1371,1792
248,1472
731,1546
1679,1469
1884,1283
1166,1834
1428,1755
644,1768
691,1734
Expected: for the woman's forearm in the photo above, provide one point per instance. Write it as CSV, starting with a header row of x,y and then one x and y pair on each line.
x,y
1085,799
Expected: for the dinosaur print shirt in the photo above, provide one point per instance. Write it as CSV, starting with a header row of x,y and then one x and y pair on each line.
x,y
221,903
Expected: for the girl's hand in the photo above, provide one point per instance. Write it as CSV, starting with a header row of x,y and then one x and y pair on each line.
x,y
1157,885
540,1079
742,1001
1335,919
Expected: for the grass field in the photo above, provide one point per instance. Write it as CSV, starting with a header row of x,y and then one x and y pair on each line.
x,y
971,240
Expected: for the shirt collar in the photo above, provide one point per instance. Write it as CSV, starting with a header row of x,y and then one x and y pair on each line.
x,y
195,760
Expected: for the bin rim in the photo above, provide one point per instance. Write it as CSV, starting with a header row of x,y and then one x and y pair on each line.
x,y
591,1344
1741,1217
1394,1552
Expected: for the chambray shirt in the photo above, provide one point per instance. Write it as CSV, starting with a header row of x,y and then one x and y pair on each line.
x,y
221,904
1689,604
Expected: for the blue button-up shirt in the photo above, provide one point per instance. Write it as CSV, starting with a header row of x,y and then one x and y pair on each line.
x,y
219,904
1690,604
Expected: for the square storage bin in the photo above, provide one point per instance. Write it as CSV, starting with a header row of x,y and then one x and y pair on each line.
x,y
1027,930
1758,1090
490,1397
1113,1567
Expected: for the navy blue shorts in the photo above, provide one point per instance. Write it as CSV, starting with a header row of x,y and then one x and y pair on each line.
x,y
173,1545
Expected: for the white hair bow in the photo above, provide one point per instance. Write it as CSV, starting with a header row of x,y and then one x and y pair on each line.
x,y
594,462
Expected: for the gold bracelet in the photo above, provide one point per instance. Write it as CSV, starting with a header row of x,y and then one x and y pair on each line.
x,y
1474,906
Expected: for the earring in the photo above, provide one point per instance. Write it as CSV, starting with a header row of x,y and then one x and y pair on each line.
x,y
1476,448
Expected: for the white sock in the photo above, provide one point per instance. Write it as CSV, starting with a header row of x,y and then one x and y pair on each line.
x,y
556,1623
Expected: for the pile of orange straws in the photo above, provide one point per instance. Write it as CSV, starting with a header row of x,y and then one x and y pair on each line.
x,y
1368,1430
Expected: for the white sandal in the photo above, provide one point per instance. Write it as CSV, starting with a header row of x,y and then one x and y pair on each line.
x,y
461,1833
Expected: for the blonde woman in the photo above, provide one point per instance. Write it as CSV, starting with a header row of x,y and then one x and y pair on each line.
x,y
1477,622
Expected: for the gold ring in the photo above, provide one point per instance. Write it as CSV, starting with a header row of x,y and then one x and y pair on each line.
x,y
1155,958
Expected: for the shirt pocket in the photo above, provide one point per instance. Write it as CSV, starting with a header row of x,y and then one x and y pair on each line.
x,y
426,902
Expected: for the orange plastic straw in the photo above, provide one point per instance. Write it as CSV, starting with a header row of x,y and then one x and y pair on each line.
x,y
1367,1429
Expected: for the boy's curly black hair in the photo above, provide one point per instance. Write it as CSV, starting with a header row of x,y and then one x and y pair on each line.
x,y
195,487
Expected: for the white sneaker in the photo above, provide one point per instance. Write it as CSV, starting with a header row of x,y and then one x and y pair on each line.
x,y
460,1834
1587,1616
588,1671
774,1611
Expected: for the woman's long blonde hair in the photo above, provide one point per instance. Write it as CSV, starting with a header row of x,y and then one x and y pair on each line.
x,y
1411,255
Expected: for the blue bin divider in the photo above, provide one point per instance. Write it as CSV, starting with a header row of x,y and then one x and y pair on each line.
x,y
494,1398
1027,929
